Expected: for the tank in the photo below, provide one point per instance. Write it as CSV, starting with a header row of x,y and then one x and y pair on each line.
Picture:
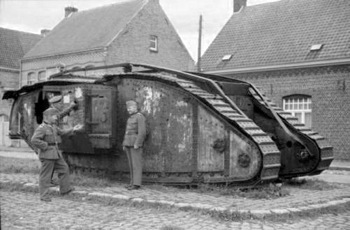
x,y
202,128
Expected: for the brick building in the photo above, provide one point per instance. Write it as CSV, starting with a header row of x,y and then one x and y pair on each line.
x,y
13,45
298,53
133,31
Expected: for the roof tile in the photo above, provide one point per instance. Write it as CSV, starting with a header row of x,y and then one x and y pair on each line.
x,y
88,29
282,33
13,45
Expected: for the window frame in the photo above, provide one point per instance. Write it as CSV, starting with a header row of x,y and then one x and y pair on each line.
x,y
299,106
31,78
153,46
39,77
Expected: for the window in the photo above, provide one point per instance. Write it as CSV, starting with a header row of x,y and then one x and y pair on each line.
x,y
227,57
42,76
31,78
300,107
153,43
316,47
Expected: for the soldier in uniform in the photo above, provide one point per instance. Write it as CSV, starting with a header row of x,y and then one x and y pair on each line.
x,y
135,135
46,138
56,103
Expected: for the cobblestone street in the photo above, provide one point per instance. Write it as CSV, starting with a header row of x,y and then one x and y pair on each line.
x,y
174,115
21,210
161,208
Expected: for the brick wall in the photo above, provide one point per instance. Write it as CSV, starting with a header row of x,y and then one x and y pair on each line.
x,y
48,64
132,45
329,88
134,41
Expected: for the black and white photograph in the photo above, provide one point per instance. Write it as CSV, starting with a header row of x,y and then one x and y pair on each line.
x,y
174,115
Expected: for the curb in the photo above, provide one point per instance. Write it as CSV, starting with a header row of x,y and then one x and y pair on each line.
x,y
14,149
340,165
243,214
341,168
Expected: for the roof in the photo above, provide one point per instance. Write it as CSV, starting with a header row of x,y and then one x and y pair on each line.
x,y
280,33
13,45
87,30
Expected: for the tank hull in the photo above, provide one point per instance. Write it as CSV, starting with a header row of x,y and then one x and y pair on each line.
x,y
203,128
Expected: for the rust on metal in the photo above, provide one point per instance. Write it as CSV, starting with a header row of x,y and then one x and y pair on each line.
x,y
203,128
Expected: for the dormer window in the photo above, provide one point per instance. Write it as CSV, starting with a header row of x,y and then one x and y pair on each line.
x,y
153,43
316,47
227,57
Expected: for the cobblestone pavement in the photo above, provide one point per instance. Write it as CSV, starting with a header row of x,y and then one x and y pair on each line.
x,y
21,210
298,200
175,209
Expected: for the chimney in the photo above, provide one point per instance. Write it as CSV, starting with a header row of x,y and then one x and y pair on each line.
x,y
238,5
44,32
69,10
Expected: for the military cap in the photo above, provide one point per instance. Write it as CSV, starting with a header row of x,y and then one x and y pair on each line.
x,y
50,112
55,99
131,103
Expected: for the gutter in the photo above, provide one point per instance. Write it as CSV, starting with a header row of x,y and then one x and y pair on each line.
x,y
64,54
282,67
9,69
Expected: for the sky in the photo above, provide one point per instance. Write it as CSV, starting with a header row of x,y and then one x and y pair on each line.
x,y
34,15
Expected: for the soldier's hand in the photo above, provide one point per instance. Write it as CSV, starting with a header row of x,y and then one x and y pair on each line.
x,y
136,146
124,148
78,127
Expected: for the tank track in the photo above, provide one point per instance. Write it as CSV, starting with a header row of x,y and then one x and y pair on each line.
x,y
326,150
270,153
186,179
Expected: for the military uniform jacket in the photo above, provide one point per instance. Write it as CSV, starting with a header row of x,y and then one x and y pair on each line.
x,y
46,138
135,132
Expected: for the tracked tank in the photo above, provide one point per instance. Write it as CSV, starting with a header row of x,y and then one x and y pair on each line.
x,y
203,128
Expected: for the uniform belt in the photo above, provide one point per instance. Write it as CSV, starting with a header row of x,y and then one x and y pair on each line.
x,y
131,133
51,144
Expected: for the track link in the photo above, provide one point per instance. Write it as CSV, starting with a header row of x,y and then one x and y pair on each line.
x,y
270,153
326,150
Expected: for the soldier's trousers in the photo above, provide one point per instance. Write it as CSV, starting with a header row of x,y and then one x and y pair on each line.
x,y
46,170
135,165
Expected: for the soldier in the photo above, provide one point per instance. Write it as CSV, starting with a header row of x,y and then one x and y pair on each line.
x,y
56,103
135,135
46,138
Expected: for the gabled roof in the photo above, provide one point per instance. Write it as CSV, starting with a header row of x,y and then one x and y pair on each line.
x,y
87,30
281,33
13,45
